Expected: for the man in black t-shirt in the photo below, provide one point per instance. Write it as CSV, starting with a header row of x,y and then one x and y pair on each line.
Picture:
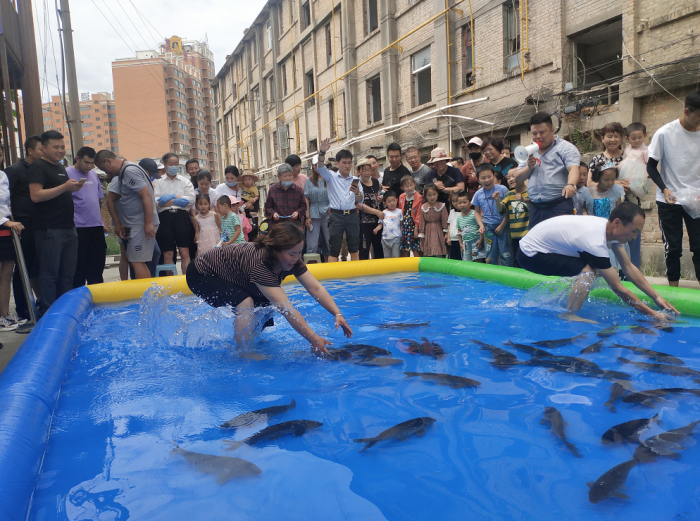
x,y
55,235
396,170
446,178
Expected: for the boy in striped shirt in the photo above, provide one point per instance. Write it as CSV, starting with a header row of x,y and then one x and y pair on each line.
x,y
517,204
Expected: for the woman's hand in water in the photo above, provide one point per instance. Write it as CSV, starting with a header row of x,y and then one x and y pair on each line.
x,y
341,322
318,346
664,305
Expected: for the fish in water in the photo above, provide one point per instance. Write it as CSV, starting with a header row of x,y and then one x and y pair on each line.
x,y
665,444
378,362
616,375
641,330
608,331
363,350
616,391
255,356
251,418
294,427
648,397
661,325
402,325
501,358
656,356
558,343
593,348
608,485
427,348
533,351
224,467
673,370
401,431
628,431
456,382
338,354
557,423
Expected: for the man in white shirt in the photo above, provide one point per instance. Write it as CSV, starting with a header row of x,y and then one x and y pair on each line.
x,y
674,164
577,246
175,198
343,195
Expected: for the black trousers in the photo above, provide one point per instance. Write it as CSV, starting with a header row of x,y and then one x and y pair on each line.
x,y
92,250
671,218
455,250
515,248
547,211
369,238
26,238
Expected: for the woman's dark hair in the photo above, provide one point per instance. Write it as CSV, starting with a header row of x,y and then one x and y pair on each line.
x,y
315,176
200,197
584,165
203,174
231,170
626,212
597,172
430,186
280,237
495,142
167,156
613,128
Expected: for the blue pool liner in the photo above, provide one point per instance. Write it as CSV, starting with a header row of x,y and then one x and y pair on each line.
x,y
29,388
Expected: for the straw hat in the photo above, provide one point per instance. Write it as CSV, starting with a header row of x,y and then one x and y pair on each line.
x,y
249,174
438,154
363,162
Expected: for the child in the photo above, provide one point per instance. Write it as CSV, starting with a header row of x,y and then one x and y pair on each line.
x,y
410,202
581,185
207,225
467,227
633,167
455,248
517,204
612,141
231,231
490,221
391,222
251,198
432,229
604,196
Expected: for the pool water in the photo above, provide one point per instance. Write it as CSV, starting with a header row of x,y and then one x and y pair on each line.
x,y
163,372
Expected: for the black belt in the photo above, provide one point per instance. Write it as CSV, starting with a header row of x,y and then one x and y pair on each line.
x,y
344,212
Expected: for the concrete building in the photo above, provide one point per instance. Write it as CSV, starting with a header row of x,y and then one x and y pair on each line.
x,y
165,104
98,116
430,73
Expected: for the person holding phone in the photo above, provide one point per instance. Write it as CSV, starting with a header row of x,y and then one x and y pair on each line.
x,y
285,201
56,237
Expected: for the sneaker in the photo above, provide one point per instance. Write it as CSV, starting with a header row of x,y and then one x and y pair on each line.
x,y
5,325
12,318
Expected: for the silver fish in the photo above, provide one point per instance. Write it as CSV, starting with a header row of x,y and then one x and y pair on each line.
x,y
641,330
656,356
593,348
649,396
665,369
378,362
501,358
456,382
628,431
294,427
664,444
608,485
401,431
619,387
225,468
557,423
608,331
401,325
251,418
558,343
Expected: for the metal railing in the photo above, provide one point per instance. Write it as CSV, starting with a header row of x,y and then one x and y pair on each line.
x,y
24,274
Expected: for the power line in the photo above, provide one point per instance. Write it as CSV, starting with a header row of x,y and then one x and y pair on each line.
x,y
132,23
120,24
143,17
143,20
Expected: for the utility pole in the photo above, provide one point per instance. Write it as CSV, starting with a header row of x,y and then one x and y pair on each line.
x,y
74,123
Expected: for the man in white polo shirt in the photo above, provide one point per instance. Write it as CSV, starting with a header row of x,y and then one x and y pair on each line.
x,y
577,246
343,195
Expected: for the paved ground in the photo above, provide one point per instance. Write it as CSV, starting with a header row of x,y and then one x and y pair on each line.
x,y
11,340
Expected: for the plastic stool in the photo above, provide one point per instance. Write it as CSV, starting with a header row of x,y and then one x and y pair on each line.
x,y
312,258
166,267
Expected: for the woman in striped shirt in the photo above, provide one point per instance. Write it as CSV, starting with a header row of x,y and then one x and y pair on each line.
x,y
247,276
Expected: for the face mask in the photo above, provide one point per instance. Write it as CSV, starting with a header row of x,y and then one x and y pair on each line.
x,y
231,185
286,184
173,170
474,155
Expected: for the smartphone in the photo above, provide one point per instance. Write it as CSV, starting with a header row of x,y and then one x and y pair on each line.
x,y
355,182
83,179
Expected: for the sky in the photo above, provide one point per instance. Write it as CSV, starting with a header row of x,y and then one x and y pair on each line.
x,y
97,43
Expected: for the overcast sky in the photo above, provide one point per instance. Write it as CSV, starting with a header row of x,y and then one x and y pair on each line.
x,y
97,44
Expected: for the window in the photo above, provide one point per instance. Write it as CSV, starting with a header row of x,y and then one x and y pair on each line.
x,y
331,115
512,34
294,74
420,63
371,16
254,50
256,100
374,100
268,33
468,55
309,86
112,123
280,18
83,109
283,70
305,15
313,145
262,152
112,107
112,116
271,83
329,45
99,143
97,119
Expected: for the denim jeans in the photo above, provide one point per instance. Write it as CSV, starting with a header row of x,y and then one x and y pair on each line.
x,y
57,250
499,247
469,252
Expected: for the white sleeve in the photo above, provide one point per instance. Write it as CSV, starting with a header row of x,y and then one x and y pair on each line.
x,y
324,172
656,147
188,190
158,189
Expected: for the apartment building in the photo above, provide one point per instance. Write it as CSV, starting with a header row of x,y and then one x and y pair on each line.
x,y
98,116
165,104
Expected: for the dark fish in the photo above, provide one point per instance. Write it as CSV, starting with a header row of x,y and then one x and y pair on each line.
x,y
402,325
648,397
616,391
641,330
608,485
294,427
556,420
366,350
336,355
628,431
400,431
427,348
665,444
456,382
658,324
378,362
251,418
224,467
593,348
673,370
608,331
657,356
528,349
501,358
558,343
616,375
